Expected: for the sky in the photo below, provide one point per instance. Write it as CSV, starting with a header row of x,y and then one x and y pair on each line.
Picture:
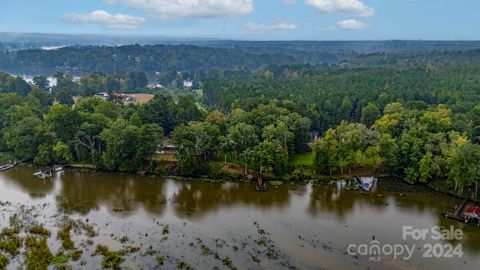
x,y
249,19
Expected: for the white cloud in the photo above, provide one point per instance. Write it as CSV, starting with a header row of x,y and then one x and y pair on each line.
x,y
346,7
276,26
111,21
172,9
351,24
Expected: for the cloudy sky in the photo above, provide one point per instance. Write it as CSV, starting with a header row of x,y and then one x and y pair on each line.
x,y
249,19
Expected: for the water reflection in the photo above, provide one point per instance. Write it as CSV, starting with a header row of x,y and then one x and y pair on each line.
x,y
83,192
21,178
391,205
195,199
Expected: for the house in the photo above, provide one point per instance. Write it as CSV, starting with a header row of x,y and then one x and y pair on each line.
x,y
187,83
102,95
167,147
117,95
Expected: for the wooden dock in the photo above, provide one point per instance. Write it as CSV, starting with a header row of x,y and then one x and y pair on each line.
x,y
43,175
7,167
458,213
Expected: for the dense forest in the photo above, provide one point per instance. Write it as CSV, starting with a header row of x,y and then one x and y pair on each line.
x,y
402,60
420,120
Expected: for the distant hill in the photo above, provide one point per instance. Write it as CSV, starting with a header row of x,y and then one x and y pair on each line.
x,y
38,40
151,58
405,60
46,54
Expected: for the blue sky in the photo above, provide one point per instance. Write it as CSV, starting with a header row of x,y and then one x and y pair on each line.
x,y
249,19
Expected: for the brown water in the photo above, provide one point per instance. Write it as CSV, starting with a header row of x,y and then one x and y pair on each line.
x,y
302,226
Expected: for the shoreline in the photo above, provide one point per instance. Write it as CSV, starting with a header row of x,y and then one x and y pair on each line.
x,y
274,182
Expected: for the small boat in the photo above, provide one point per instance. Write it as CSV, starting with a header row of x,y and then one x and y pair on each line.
x,y
43,175
6,167
472,214
366,184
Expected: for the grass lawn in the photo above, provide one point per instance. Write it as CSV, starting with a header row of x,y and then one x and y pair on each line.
x,y
198,92
305,159
165,157
142,98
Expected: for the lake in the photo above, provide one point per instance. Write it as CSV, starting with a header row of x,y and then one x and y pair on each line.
x,y
162,223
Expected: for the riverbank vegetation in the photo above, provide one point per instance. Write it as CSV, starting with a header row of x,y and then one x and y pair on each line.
x,y
418,120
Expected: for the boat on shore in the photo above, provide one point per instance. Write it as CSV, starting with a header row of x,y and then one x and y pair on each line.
x,y
366,184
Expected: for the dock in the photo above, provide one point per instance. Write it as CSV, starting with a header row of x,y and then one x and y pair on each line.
x,y
59,168
460,213
7,167
43,175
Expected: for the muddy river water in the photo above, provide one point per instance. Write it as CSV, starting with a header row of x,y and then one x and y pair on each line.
x,y
161,223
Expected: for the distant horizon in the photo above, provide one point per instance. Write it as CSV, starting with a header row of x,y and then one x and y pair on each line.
x,y
207,38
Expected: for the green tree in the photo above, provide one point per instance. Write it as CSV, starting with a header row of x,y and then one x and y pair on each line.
x,y
240,137
25,137
160,110
44,155
62,153
63,97
260,158
41,82
370,114
197,143
462,160
326,152
63,121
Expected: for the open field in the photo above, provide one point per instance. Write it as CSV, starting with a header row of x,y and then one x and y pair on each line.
x,y
304,159
142,98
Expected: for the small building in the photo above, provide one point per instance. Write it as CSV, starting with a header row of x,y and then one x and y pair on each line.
x,y
167,147
102,95
188,83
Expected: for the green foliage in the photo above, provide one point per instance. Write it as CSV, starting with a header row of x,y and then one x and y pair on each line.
x,y
41,82
197,143
149,58
370,113
25,137
261,158
38,256
418,118
10,242
240,137
60,260
63,121
111,260
462,162
3,261
44,155
348,147
128,147
62,153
